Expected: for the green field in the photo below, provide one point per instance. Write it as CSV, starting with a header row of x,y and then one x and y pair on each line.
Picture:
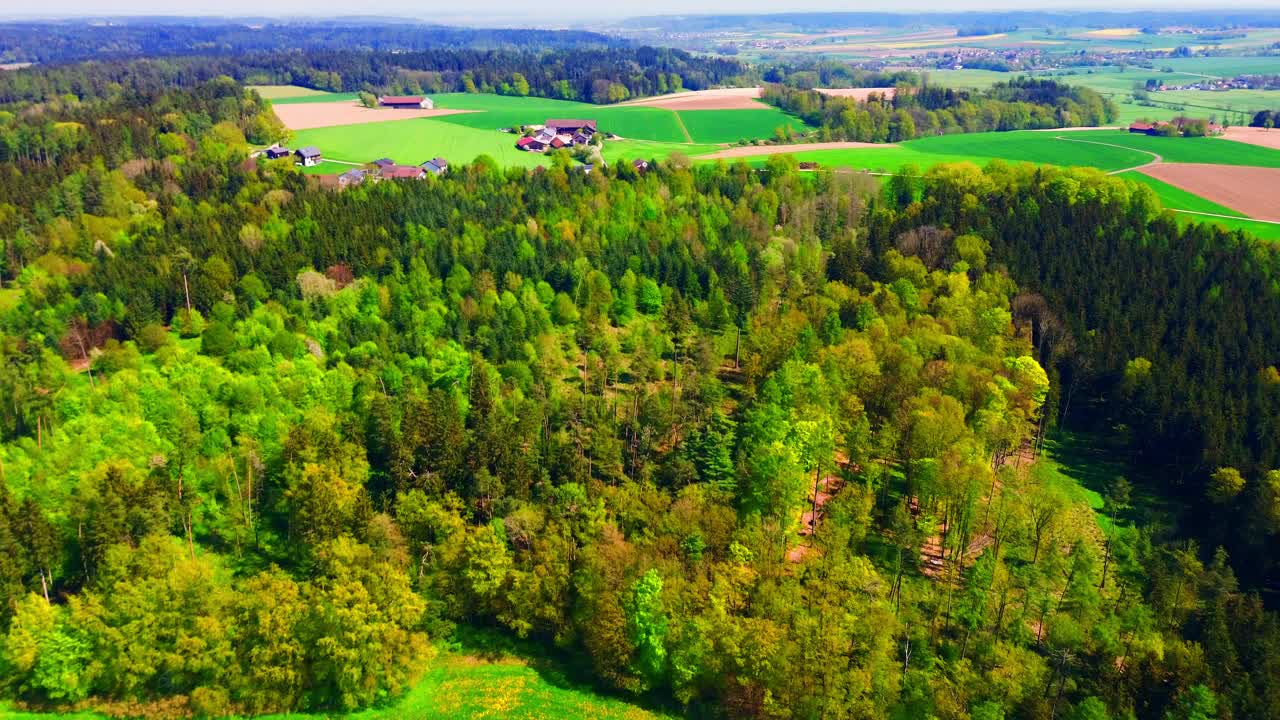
x,y
980,148
646,132
1188,150
1226,66
466,686
730,126
279,92
414,141
498,111
291,94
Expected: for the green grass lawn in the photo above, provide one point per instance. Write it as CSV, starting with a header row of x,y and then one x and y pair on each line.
x,y
730,126
1032,146
413,141
279,92
291,94
1188,150
1226,66
467,686
498,111
979,148
615,150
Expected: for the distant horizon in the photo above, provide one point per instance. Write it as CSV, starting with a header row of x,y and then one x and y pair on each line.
x,y
509,12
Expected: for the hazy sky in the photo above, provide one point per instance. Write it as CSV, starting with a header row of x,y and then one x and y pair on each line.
x,y
500,11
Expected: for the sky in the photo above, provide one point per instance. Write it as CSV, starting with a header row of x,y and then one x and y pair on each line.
x,y
514,11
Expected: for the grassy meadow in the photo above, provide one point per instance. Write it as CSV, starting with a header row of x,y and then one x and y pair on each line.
x,y
292,94
730,126
468,686
413,141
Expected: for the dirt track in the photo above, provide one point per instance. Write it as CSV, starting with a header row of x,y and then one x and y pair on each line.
x,y
756,150
1254,136
303,116
1250,190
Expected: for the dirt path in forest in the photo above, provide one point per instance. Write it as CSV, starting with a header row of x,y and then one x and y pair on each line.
x,y
811,518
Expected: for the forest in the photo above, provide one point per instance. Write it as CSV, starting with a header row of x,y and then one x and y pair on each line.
x,y
127,38
592,74
741,443
913,110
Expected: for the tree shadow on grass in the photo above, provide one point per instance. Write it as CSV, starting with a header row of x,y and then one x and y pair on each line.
x,y
1095,460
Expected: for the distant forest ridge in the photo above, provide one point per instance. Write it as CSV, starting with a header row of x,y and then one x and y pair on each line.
x,y
838,20
67,41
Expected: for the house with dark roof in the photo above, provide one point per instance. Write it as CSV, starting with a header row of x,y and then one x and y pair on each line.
x,y
410,102
384,163
308,156
355,176
557,126
436,166
275,152
640,165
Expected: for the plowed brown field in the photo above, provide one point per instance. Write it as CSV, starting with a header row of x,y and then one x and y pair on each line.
x,y
303,116
1250,190
1254,136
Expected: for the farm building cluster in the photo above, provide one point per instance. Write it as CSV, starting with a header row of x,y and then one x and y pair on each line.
x,y
1178,127
556,134
381,169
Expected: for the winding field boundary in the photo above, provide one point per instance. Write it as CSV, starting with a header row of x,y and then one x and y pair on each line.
x,y
1156,157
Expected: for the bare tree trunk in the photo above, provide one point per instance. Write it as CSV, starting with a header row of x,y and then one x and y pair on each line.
x,y
186,290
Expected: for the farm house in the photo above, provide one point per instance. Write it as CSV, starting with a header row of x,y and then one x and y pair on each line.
x,y
308,156
406,101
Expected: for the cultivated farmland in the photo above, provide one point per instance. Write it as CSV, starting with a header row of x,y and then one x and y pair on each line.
x,y
729,126
303,116
1250,190
414,141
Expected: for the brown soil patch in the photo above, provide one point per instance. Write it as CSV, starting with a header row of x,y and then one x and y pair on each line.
x,y
753,151
1250,190
860,94
1254,136
303,116
719,99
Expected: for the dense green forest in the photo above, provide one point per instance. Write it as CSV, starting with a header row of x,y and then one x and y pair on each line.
x,y
123,38
592,74
911,110
745,444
